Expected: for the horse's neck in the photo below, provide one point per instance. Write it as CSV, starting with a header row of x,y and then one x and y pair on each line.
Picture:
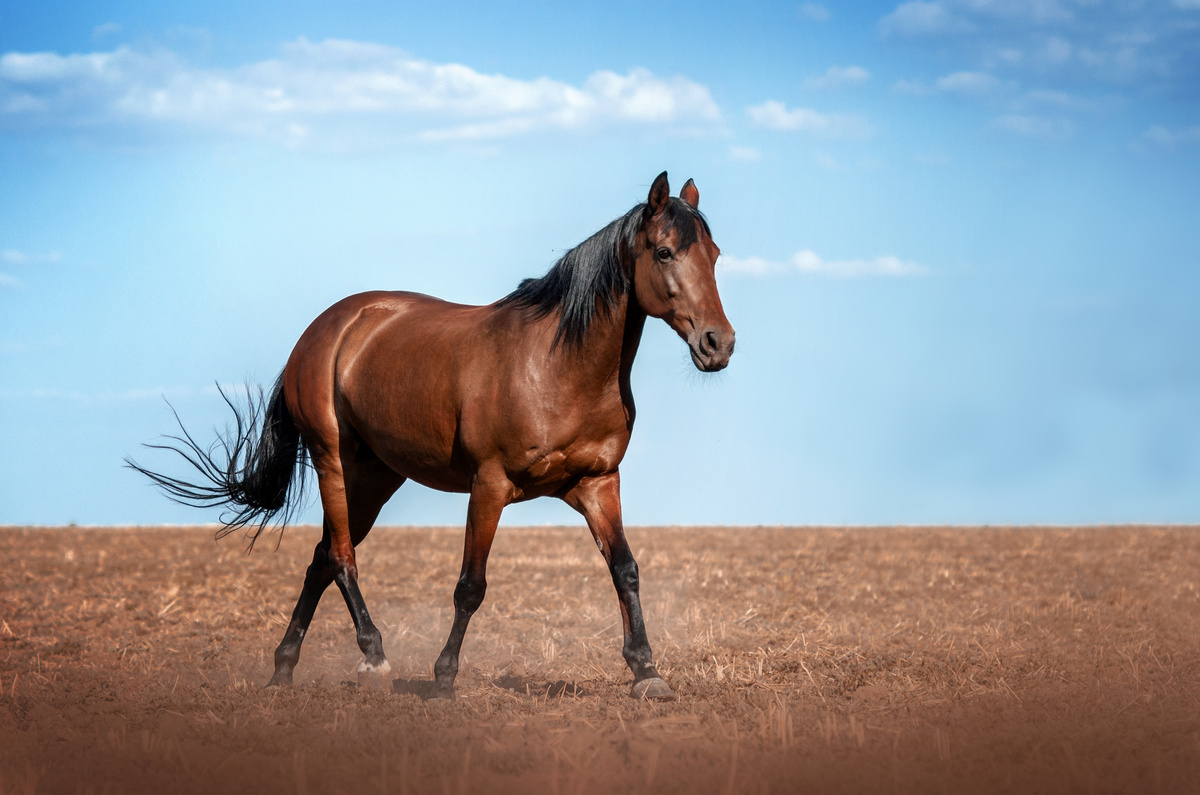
x,y
634,321
605,359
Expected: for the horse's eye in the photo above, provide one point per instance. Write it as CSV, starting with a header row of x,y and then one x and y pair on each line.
x,y
664,253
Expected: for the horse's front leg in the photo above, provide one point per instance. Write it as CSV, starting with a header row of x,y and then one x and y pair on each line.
x,y
489,495
599,500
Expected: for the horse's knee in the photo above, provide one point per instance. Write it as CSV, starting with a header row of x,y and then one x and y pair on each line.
x,y
468,594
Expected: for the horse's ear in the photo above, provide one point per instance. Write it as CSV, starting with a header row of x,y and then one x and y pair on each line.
x,y
660,192
689,193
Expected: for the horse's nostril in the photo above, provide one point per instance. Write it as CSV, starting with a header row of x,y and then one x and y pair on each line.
x,y
714,342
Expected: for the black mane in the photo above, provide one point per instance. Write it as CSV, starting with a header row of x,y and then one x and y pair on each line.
x,y
591,277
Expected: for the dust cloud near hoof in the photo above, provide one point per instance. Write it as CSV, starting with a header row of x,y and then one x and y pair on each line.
x,y
530,687
423,689
374,680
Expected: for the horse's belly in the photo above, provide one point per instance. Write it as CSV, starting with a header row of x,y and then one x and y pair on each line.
x,y
419,446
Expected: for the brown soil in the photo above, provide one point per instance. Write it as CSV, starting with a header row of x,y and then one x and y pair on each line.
x,y
805,659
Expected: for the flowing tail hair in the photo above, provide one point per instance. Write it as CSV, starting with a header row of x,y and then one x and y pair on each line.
x,y
256,467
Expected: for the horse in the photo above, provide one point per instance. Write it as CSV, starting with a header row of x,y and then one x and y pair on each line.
x,y
526,397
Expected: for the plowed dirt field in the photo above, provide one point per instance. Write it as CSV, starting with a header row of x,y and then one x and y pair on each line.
x,y
915,660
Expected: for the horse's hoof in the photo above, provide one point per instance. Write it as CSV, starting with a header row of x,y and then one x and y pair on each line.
x,y
278,681
652,689
375,677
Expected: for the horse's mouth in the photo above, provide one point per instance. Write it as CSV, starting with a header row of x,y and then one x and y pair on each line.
x,y
712,362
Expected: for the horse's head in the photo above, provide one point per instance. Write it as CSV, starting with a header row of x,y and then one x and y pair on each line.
x,y
674,274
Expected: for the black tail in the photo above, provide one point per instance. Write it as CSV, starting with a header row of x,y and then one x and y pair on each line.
x,y
258,481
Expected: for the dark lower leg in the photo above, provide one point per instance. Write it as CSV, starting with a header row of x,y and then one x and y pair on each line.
x,y
599,500
370,641
468,596
316,580
488,498
636,650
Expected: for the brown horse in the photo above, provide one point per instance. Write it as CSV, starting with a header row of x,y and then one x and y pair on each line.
x,y
527,397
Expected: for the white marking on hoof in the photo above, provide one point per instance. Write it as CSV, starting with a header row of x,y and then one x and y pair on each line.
x,y
652,689
374,677
365,667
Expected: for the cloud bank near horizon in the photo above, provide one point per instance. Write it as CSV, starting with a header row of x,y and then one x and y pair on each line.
x,y
312,87
807,261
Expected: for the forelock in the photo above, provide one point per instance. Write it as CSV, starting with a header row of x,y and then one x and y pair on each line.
x,y
686,221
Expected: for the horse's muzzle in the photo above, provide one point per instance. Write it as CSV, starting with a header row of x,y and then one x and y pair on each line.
x,y
711,348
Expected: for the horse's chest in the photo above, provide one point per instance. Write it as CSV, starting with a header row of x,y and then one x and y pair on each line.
x,y
593,447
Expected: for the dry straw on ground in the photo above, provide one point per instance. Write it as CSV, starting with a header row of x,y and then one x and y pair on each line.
x,y
805,659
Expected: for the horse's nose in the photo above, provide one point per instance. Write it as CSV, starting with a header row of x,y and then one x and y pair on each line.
x,y
716,346
713,338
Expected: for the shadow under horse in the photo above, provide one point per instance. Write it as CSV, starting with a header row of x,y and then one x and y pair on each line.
x,y
527,397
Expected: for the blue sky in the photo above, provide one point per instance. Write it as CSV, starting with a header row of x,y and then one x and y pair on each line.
x,y
960,237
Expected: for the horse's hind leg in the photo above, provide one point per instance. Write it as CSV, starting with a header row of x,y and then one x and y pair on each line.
x,y
316,580
599,500
354,487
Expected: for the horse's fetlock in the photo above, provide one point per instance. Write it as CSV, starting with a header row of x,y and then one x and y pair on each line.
x,y
370,642
638,657
445,669
286,658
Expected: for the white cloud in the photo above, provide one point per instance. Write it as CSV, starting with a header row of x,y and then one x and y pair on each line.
x,y
806,261
1166,138
1081,40
923,19
1066,101
107,29
973,83
1059,99
8,281
838,77
775,115
816,12
1038,12
954,17
753,266
11,256
809,262
746,154
1010,55
1047,129
827,161
316,85
914,87
1057,49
